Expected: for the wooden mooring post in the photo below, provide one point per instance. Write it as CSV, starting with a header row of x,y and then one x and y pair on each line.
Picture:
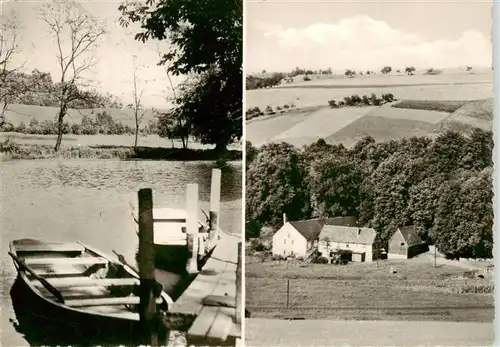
x,y
215,204
192,227
147,306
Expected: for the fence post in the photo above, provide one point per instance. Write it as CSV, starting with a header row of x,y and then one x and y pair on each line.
x,y
287,293
192,227
238,285
215,203
147,306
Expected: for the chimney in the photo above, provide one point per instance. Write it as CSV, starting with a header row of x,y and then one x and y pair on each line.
x,y
284,218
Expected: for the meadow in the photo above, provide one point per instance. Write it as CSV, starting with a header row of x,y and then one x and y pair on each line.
x,y
361,291
102,141
425,106
18,113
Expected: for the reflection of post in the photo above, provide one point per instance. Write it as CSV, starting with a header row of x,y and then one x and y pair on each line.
x,y
192,227
238,285
147,307
215,203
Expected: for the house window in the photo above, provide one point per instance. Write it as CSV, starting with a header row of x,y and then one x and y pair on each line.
x,y
346,246
284,241
402,243
292,242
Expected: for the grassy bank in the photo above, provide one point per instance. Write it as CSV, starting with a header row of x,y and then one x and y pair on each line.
x,y
366,291
28,151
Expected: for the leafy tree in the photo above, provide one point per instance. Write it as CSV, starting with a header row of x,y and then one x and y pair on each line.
x,y
172,125
409,70
386,70
206,37
464,217
276,185
350,73
334,182
250,153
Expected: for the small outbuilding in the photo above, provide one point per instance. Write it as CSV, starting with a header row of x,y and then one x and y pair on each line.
x,y
405,243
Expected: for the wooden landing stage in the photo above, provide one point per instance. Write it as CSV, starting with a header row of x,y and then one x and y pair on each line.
x,y
208,308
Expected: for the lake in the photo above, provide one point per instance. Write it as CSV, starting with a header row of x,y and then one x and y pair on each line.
x,y
92,201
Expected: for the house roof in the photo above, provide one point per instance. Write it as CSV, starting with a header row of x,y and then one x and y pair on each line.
x,y
347,221
337,233
410,236
311,228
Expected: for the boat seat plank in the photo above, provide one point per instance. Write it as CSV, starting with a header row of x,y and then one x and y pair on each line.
x,y
127,300
66,261
70,282
50,247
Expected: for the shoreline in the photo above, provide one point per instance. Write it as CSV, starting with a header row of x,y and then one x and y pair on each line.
x,y
34,151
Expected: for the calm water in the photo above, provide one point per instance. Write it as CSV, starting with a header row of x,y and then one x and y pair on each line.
x,y
90,201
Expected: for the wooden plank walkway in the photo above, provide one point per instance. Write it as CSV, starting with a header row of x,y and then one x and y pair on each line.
x,y
207,308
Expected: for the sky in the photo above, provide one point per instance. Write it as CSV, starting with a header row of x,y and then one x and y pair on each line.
x,y
281,35
115,53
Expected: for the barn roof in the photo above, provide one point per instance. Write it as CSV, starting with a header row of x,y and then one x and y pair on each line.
x,y
336,233
311,228
410,236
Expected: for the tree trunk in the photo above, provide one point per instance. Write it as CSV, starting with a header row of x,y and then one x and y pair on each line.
x,y
60,118
136,134
220,147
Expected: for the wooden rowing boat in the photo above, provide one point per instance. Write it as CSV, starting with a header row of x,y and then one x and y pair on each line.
x,y
80,289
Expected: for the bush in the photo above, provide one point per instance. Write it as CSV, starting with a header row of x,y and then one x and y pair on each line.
x,y
366,100
356,99
269,110
333,104
257,246
320,260
8,127
307,78
388,97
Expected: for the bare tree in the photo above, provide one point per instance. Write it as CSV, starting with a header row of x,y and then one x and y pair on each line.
x,y
12,83
76,33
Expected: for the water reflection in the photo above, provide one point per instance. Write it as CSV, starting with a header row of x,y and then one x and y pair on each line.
x,y
90,201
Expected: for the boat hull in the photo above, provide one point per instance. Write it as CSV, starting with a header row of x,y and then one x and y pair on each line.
x,y
45,323
83,318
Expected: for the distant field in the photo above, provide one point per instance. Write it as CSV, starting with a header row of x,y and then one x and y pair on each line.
x,y
318,92
382,129
24,113
420,110
365,291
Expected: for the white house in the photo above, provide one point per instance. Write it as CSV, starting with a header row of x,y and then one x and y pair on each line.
x,y
358,242
296,238
299,237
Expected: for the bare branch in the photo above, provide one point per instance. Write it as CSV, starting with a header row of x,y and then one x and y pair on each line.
x,y
76,34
